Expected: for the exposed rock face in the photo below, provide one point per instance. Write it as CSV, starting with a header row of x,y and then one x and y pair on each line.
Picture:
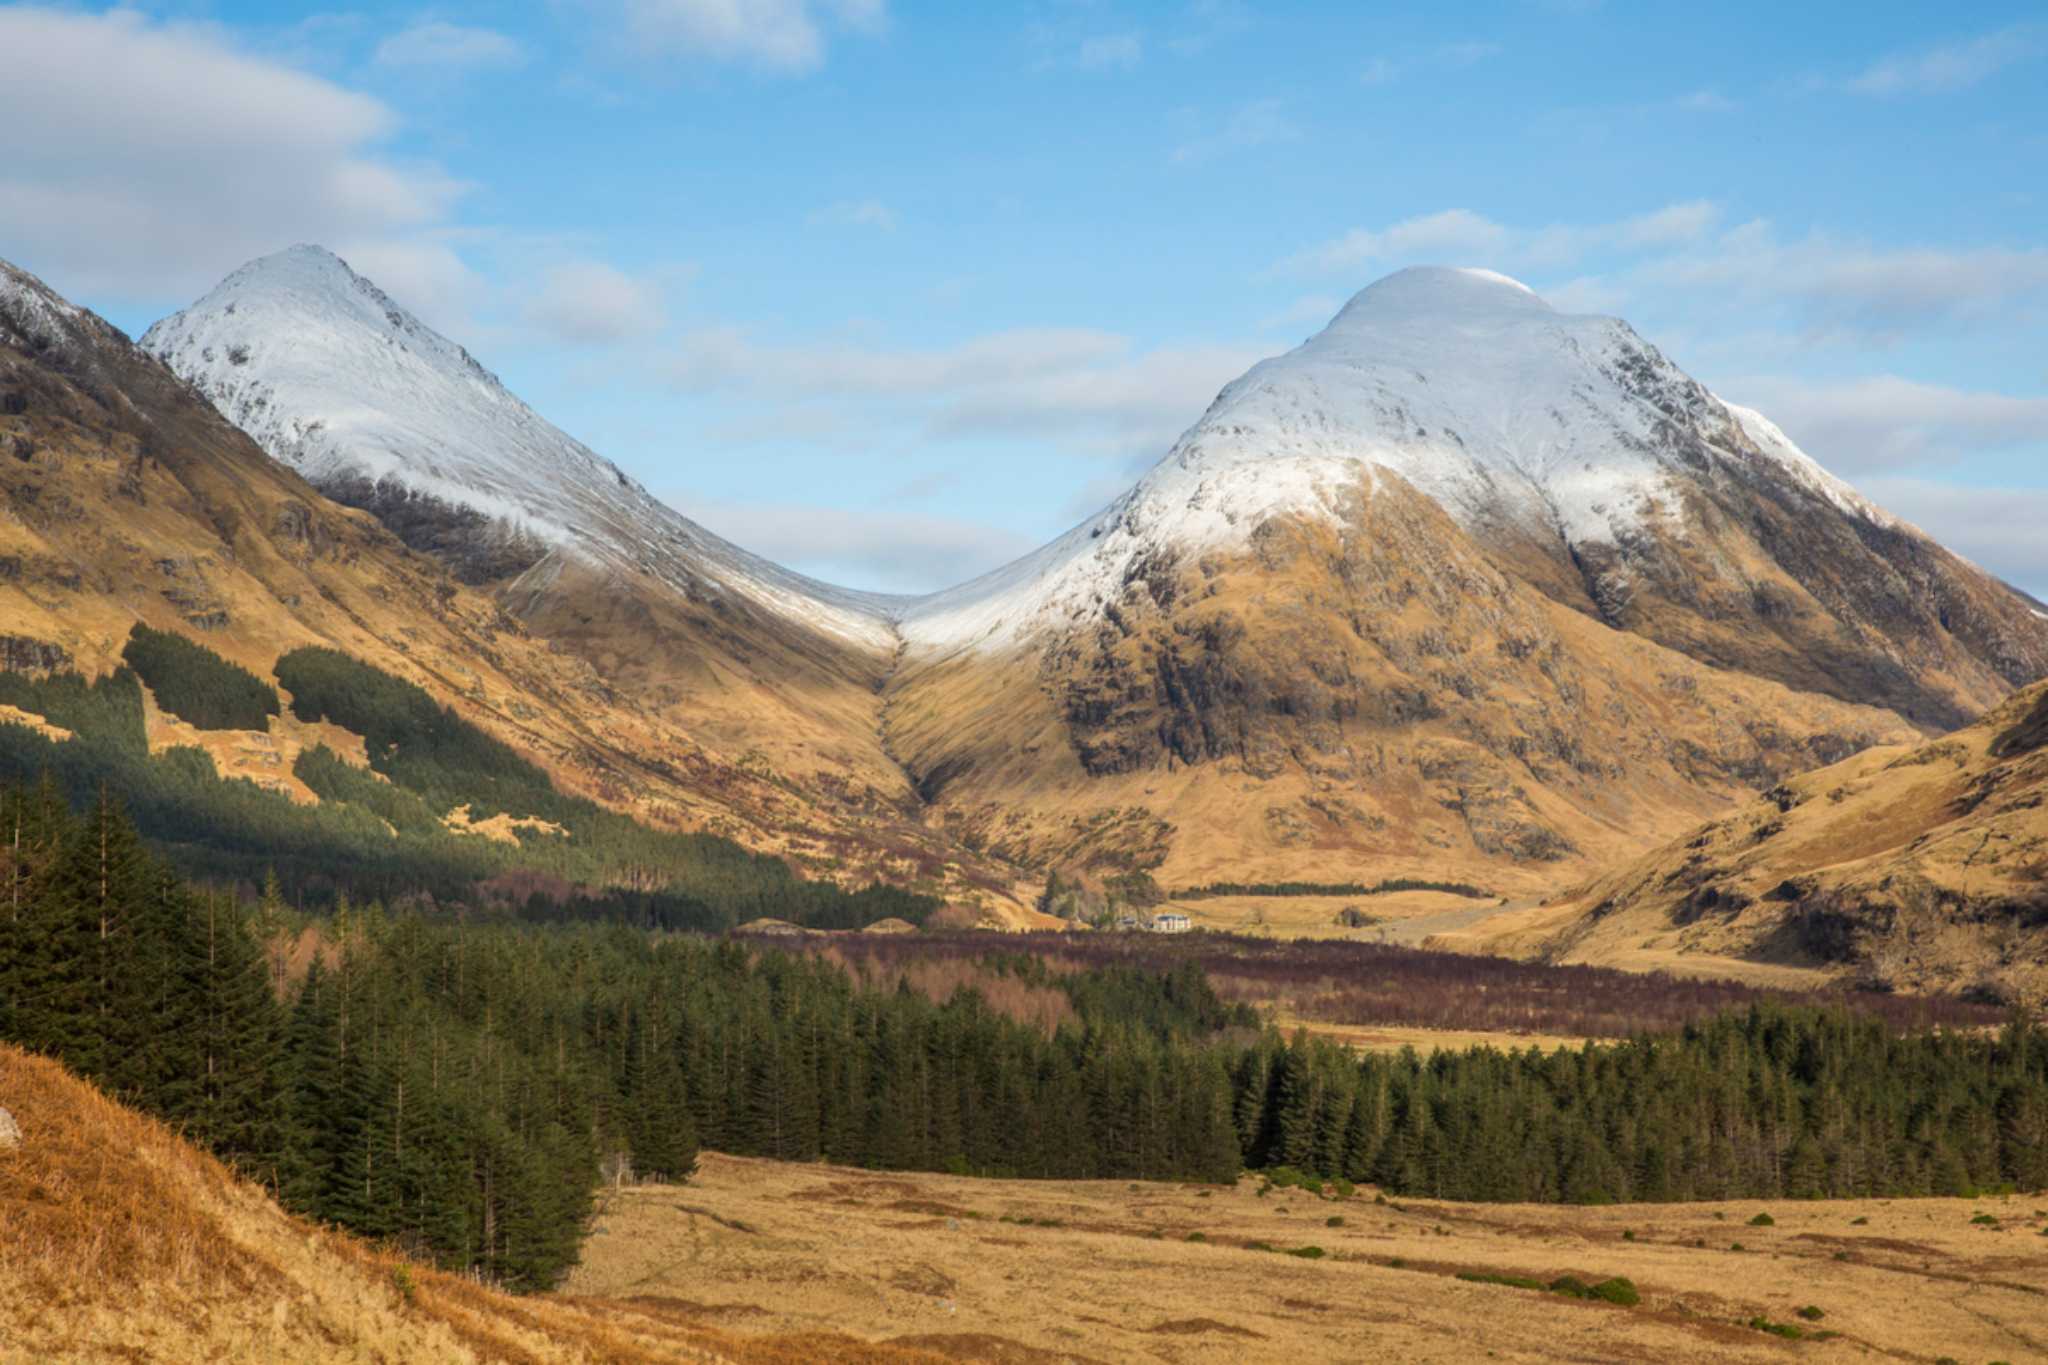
x,y
1372,696
10,1132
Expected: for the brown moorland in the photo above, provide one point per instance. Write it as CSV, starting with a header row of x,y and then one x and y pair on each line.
x,y
122,1243
129,499
1021,1271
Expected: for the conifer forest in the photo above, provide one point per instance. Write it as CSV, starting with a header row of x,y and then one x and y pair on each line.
x,y
459,1084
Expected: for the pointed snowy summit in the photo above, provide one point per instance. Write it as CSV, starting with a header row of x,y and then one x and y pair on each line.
x,y
333,377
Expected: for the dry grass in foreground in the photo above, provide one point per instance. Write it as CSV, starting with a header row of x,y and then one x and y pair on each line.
x,y
1035,1273
118,1241
121,1242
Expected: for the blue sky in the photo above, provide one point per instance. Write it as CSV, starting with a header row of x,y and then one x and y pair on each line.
x,y
893,291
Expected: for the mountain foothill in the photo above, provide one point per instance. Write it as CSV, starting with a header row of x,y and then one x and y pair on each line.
x,y
1462,588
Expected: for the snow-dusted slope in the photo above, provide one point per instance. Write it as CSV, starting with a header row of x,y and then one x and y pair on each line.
x,y
333,378
1568,430
1463,382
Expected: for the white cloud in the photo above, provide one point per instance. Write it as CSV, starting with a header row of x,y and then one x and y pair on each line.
x,y
432,43
724,358
1384,69
1256,123
1461,232
1110,51
1089,388
1585,294
776,35
590,303
1450,232
1952,66
1705,102
163,157
855,213
1856,286
1885,422
879,550
1831,285
1667,226
427,276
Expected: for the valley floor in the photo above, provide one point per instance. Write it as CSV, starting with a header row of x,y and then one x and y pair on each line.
x,y
1027,1272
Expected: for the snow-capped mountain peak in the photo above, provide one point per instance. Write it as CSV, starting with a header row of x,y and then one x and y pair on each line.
x,y
1570,430
1467,384
334,378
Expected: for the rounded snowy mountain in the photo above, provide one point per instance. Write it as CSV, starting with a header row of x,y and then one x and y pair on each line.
x,y
1567,429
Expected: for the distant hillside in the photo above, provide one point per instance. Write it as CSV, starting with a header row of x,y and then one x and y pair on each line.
x,y
132,502
342,780
1920,867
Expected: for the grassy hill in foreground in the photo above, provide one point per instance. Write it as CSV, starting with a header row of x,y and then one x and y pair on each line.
x,y
124,1242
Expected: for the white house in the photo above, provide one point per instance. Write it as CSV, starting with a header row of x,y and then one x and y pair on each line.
x,y
1172,922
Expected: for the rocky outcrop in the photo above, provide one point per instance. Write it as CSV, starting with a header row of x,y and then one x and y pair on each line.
x,y
1916,867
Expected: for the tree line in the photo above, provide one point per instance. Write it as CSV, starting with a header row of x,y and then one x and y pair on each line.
x,y
386,839
458,1086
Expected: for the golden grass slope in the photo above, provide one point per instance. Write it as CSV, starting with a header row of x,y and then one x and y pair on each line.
x,y
120,1242
1033,1271
1345,701
125,497
1918,867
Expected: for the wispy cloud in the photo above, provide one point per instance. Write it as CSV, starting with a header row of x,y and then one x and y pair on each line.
x,y
1256,123
879,550
1884,423
1110,51
591,303
1705,102
1386,68
1308,310
1092,389
865,213
1843,283
449,47
1953,66
788,36
1829,284
237,154
1463,233
1450,231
